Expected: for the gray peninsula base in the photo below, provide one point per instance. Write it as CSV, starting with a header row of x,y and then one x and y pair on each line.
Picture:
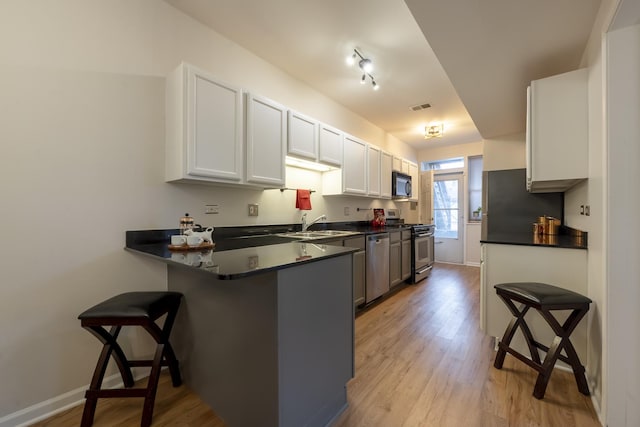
x,y
271,349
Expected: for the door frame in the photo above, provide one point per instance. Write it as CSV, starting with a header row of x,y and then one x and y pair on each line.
x,y
460,175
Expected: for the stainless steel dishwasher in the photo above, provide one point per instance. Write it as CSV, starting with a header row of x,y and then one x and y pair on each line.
x,y
377,265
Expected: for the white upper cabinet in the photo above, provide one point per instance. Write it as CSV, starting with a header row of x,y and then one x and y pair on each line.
x,y
373,169
352,178
203,127
354,171
415,181
266,126
331,140
557,132
397,164
303,136
386,165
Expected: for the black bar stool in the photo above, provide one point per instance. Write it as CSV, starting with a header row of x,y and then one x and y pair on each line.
x,y
131,309
544,298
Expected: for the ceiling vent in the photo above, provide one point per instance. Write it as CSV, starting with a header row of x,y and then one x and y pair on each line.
x,y
420,107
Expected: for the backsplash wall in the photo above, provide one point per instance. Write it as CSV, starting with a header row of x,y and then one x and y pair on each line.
x,y
275,206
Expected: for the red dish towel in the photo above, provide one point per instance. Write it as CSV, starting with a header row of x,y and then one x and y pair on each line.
x,y
303,200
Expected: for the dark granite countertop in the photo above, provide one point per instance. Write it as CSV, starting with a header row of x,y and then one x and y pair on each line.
x,y
567,241
233,258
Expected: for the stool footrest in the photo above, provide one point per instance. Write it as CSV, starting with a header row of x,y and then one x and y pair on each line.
x,y
145,363
116,392
521,357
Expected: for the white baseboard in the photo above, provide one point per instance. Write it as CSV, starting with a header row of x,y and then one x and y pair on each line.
x,y
472,264
48,408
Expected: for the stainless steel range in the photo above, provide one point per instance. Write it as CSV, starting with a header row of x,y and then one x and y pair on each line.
x,y
422,248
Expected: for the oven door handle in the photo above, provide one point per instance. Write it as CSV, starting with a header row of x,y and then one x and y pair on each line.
x,y
424,235
424,269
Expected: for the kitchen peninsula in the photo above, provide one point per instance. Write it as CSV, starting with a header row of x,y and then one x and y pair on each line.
x,y
510,256
265,334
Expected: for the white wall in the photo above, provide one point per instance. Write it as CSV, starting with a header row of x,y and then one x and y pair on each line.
x,y
82,129
505,152
622,71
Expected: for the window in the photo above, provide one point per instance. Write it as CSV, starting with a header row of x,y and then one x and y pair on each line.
x,y
455,163
475,188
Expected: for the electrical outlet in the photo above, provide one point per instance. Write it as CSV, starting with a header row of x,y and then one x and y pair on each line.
x,y
211,209
347,211
253,209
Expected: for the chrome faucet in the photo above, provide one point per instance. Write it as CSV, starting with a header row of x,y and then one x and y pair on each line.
x,y
306,226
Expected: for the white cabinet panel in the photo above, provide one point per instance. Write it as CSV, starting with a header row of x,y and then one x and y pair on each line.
x,y
415,181
373,170
303,136
354,170
204,127
330,142
557,132
386,161
266,139
397,164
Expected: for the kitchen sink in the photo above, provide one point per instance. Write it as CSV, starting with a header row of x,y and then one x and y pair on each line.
x,y
317,234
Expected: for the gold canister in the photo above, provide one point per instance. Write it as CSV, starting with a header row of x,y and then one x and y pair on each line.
x,y
553,225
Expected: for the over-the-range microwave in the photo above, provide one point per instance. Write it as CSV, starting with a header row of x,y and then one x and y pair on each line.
x,y
400,185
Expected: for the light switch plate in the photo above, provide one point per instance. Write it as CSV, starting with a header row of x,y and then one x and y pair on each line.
x,y
211,209
253,209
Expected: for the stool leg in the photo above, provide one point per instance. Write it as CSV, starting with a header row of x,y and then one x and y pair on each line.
x,y
152,387
170,356
110,339
516,322
91,395
562,341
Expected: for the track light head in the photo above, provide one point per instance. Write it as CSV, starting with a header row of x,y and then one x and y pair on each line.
x,y
351,60
362,81
366,65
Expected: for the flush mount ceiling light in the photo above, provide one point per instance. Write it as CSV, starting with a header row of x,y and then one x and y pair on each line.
x,y
365,65
433,131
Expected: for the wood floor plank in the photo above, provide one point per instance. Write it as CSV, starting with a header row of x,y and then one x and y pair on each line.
x,y
421,360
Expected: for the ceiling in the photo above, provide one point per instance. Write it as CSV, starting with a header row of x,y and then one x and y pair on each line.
x,y
470,60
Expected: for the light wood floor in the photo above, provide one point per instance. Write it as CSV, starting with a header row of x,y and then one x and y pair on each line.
x,y
421,360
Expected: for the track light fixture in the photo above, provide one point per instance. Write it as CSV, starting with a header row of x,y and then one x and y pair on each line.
x,y
365,65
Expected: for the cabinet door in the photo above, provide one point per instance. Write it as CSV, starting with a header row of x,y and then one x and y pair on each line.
x,y
415,182
395,260
330,145
354,170
406,259
214,127
266,138
397,164
373,169
557,132
303,136
426,197
386,161
359,276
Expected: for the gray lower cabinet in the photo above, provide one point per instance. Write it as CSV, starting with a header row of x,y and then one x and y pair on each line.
x,y
359,269
395,259
272,349
406,255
